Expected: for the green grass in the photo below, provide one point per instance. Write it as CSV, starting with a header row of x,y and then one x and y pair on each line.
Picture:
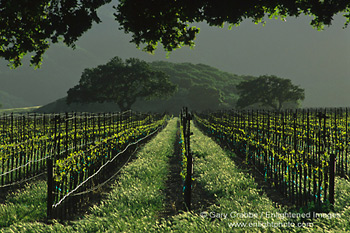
x,y
25,205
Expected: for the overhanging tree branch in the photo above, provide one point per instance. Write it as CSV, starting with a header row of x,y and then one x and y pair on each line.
x,y
32,26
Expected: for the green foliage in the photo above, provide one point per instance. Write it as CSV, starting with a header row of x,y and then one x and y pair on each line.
x,y
31,26
134,202
255,137
122,83
80,161
221,127
153,22
269,91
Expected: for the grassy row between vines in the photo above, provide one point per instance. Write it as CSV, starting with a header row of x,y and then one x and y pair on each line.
x,y
233,191
237,193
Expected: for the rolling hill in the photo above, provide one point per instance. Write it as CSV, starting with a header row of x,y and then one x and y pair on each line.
x,y
200,87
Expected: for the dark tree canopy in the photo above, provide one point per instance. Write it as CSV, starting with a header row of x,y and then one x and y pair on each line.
x,y
31,25
167,22
268,91
122,83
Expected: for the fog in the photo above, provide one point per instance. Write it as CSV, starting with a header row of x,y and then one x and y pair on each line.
x,y
318,61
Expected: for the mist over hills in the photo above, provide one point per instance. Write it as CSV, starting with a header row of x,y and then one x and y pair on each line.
x,y
11,101
61,69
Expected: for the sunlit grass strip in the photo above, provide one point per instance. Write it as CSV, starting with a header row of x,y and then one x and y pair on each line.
x,y
234,190
15,110
137,197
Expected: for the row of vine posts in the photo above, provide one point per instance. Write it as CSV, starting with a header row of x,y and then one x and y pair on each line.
x,y
186,118
273,167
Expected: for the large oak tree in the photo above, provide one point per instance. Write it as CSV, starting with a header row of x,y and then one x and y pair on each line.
x,y
32,25
122,83
268,91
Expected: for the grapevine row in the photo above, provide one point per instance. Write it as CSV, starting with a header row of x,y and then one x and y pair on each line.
x,y
28,140
294,150
79,171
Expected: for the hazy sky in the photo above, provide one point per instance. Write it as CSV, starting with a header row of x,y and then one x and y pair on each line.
x,y
318,61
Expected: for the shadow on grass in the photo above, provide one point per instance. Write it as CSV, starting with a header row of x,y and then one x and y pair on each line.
x,y
18,187
272,193
201,198
174,201
25,204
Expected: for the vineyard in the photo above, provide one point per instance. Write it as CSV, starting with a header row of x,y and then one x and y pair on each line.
x,y
294,150
75,150
303,155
